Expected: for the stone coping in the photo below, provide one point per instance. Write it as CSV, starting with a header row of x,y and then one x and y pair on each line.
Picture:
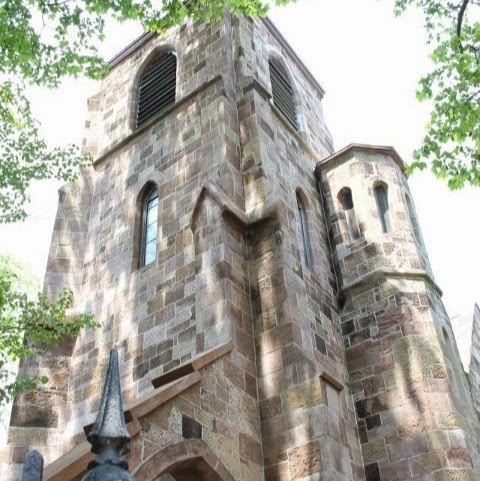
x,y
366,148
167,387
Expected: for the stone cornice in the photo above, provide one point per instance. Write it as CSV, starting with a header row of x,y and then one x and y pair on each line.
x,y
366,148
414,274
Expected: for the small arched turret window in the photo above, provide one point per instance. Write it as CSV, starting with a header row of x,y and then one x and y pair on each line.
x,y
381,197
303,224
157,86
149,227
346,200
414,221
282,92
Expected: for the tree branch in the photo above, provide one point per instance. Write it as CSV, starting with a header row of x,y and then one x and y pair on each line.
x,y
461,14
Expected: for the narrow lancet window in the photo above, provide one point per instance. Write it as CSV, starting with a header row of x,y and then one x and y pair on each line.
x,y
282,92
157,86
346,199
150,226
414,221
381,197
307,252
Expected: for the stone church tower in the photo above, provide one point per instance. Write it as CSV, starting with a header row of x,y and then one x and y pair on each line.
x,y
271,300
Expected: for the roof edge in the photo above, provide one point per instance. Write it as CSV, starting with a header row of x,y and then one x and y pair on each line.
x,y
146,36
280,38
378,149
131,47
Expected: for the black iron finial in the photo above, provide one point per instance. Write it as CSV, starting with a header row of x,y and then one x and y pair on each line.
x,y
109,437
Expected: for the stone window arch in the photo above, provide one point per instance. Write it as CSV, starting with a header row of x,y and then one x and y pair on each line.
x,y
304,232
156,86
346,201
380,191
283,95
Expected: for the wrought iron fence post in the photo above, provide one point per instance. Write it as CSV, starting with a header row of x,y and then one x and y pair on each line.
x,y
109,437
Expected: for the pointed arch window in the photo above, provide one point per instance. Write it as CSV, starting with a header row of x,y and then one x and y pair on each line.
x,y
149,227
307,250
346,200
157,86
282,92
381,197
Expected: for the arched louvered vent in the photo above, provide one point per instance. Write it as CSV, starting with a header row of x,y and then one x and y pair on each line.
x,y
157,87
282,92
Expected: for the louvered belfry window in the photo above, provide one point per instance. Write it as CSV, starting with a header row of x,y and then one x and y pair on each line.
x,y
157,87
282,93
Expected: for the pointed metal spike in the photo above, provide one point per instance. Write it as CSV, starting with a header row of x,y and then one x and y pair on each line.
x,y
109,429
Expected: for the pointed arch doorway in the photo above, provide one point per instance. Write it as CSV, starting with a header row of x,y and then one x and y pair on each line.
x,y
185,461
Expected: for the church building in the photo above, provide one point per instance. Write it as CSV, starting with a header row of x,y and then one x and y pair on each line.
x,y
270,298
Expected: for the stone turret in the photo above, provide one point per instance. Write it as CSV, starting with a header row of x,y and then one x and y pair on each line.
x,y
404,374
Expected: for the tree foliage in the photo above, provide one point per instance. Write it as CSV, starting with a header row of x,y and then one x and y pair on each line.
x,y
452,141
27,320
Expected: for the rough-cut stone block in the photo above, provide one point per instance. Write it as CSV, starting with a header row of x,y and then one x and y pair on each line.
x,y
306,395
304,460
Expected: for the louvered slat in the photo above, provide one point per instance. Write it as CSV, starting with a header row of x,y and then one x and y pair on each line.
x,y
157,87
282,93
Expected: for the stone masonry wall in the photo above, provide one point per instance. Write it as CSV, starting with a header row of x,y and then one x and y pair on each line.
x,y
308,425
164,313
410,423
474,370
339,370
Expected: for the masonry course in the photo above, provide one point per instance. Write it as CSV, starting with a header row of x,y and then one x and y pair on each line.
x,y
238,361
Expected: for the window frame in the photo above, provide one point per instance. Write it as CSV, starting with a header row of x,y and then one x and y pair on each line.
x,y
166,91
150,196
304,232
281,75
345,197
380,192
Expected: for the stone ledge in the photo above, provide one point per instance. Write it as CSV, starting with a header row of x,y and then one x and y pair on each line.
x,y
193,366
140,130
415,274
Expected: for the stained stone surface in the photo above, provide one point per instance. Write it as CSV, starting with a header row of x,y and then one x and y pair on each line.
x,y
345,370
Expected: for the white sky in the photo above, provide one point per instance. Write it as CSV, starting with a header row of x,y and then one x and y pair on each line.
x,y
369,63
